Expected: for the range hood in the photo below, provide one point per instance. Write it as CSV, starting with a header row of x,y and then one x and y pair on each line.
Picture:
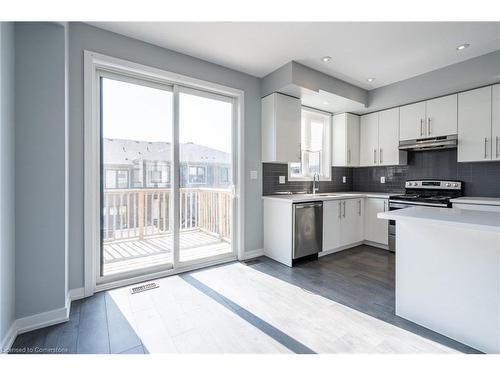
x,y
424,144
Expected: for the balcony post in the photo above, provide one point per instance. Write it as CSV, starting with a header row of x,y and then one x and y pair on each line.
x,y
141,214
220,219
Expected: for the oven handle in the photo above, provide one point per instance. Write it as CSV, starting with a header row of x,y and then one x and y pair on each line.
x,y
398,205
402,204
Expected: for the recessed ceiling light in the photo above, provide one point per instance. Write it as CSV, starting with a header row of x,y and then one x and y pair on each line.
x,y
463,46
326,58
370,80
326,103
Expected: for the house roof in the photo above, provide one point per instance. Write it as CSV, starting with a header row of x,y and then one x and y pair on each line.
x,y
126,152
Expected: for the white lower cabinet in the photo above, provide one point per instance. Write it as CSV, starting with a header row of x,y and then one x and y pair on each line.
x,y
332,215
376,230
343,223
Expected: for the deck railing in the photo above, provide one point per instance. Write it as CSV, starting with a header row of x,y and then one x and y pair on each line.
x,y
142,213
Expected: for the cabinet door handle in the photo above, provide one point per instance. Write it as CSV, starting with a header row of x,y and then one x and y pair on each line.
x,y
485,148
381,158
349,156
384,206
340,209
428,126
496,146
343,203
359,208
421,127
374,156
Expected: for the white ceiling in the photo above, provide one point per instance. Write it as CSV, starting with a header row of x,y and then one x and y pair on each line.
x,y
390,52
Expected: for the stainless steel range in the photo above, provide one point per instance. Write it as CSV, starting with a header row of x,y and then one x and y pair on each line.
x,y
429,193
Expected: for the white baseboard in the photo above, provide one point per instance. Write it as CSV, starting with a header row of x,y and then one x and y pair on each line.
x,y
45,319
376,244
37,321
370,243
254,253
77,293
8,339
328,252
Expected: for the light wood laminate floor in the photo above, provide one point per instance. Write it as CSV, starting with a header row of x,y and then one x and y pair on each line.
x,y
341,303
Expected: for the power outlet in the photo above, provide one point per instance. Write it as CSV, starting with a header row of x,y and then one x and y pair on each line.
x,y
382,179
344,179
282,180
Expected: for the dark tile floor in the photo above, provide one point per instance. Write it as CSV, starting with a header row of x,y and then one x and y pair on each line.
x,y
95,326
361,278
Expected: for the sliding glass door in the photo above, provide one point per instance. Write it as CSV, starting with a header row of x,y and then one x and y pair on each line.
x,y
205,175
166,176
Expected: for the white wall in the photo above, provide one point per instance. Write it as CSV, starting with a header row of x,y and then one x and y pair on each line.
x,y
40,168
7,234
84,37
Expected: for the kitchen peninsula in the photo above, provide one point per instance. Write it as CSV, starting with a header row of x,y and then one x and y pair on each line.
x,y
448,272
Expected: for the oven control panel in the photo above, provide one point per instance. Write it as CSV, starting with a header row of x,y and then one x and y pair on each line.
x,y
432,184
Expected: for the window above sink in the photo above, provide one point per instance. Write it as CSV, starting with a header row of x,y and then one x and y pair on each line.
x,y
315,147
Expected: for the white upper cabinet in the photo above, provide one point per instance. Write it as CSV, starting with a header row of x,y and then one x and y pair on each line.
x,y
281,123
474,125
388,138
379,139
345,140
441,116
495,121
368,140
431,118
412,119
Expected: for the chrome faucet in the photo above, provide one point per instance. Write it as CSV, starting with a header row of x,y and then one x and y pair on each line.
x,y
315,182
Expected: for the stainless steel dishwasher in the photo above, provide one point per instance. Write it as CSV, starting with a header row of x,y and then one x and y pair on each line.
x,y
307,229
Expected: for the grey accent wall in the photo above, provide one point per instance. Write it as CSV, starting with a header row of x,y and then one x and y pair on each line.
x,y
7,191
476,72
480,179
272,171
40,168
84,37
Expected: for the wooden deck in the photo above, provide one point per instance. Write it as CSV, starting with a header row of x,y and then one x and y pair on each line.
x,y
131,254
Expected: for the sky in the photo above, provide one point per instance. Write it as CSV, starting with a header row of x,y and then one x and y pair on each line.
x,y
143,113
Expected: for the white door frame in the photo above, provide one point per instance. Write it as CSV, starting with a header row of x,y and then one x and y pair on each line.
x,y
93,62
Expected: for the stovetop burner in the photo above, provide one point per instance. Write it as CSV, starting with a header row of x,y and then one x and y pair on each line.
x,y
430,191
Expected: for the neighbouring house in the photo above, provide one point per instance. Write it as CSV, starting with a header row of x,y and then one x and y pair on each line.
x,y
129,164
